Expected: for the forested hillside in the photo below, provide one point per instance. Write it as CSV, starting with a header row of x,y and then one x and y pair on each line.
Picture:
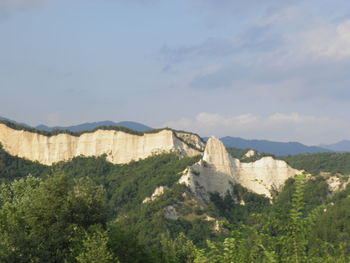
x,y
89,210
321,162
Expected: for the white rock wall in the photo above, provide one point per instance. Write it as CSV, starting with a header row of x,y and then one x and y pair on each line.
x,y
119,146
218,171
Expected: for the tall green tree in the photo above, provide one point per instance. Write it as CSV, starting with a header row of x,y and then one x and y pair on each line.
x,y
95,248
42,220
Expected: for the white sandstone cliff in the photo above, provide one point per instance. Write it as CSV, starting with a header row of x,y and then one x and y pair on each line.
x,y
120,147
192,139
213,173
217,172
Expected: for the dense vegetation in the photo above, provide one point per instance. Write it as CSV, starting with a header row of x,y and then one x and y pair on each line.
x,y
58,131
321,162
89,210
239,153
12,168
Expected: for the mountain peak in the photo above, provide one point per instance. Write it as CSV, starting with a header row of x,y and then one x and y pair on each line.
x,y
215,153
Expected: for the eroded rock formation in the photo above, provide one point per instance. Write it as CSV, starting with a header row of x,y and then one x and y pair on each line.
x,y
120,147
217,172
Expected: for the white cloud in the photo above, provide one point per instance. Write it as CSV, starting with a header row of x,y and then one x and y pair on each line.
x,y
278,126
330,41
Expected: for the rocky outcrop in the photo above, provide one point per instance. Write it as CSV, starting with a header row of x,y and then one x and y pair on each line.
x,y
157,192
336,182
191,139
217,172
250,153
171,213
119,146
264,175
213,173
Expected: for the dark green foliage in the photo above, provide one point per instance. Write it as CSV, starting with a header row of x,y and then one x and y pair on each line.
x,y
95,248
127,248
57,131
320,162
41,221
233,210
239,153
130,184
179,250
148,220
96,168
12,167
334,225
89,209
316,193
275,238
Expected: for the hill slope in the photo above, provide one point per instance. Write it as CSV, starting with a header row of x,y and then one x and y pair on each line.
x,y
342,146
75,208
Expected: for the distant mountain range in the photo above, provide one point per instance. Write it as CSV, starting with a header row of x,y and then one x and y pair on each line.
x,y
19,123
284,148
276,148
89,126
342,146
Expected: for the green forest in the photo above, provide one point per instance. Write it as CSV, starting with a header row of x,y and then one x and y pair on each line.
x,y
321,162
89,210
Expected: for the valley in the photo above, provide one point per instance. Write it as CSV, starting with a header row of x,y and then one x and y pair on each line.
x,y
195,192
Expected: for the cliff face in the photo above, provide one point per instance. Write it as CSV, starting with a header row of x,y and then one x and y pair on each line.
x,y
119,146
264,175
213,173
191,139
218,172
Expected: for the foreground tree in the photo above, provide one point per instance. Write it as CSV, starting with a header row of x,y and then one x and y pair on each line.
x,y
41,221
95,248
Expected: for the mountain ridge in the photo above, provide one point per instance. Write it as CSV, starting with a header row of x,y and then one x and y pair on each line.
x,y
272,147
341,146
86,126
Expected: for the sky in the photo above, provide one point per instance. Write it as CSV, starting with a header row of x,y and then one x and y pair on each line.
x,y
276,70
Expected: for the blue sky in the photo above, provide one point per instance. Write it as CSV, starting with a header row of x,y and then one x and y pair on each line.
x,y
270,69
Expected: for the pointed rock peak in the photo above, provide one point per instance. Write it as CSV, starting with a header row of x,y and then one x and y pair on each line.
x,y
213,145
216,153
